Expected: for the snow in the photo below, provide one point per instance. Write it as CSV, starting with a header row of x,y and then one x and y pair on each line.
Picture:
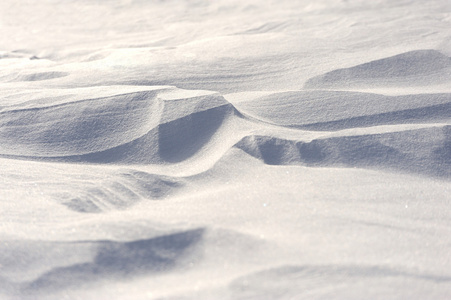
x,y
225,150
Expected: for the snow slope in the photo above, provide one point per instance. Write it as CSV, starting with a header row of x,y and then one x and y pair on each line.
x,y
225,150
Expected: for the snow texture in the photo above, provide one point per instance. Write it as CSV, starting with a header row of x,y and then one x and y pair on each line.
x,y
225,149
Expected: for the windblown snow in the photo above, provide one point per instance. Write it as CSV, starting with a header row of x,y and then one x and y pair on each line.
x,y
225,149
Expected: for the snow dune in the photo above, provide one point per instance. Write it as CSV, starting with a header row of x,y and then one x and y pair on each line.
x,y
334,110
419,67
394,150
225,150
118,124
164,126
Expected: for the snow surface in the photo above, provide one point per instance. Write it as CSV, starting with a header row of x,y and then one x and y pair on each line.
x,y
225,149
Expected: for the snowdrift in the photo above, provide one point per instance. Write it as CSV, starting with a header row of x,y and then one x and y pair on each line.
x,y
147,126
420,67
225,149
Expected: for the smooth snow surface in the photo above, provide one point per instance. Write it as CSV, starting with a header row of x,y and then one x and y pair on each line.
x,y
225,149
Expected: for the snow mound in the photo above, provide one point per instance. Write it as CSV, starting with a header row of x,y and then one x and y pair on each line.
x,y
334,110
90,261
86,263
424,151
419,67
164,124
